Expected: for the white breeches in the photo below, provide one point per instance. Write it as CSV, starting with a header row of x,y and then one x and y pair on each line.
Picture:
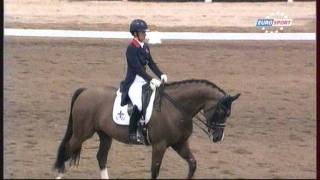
x,y
135,91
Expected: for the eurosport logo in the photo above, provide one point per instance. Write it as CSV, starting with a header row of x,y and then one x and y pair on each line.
x,y
276,22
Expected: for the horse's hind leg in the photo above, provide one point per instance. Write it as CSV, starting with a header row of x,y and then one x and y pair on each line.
x,y
184,151
73,148
102,155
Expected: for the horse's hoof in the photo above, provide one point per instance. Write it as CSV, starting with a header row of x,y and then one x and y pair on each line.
x,y
59,176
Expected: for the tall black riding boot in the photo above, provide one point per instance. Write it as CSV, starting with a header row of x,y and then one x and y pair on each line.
x,y
133,124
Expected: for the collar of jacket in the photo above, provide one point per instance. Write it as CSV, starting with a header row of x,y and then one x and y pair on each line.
x,y
135,43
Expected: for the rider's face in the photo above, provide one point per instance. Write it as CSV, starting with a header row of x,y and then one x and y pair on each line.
x,y
141,36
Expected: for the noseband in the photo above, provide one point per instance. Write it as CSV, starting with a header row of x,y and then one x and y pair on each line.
x,y
213,125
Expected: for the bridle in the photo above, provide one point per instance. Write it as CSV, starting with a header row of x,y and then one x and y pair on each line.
x,y
182,109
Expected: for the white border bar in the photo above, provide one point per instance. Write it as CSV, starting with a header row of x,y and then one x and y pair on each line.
x,y
161,35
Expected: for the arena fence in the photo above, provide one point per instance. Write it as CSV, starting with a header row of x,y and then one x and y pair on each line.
x,y
156,37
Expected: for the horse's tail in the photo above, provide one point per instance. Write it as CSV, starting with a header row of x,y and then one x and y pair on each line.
x,y
62,151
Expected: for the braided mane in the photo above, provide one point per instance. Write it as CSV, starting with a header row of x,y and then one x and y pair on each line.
x,y
191,81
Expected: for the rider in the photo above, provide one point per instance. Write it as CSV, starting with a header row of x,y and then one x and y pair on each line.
x,y
138,56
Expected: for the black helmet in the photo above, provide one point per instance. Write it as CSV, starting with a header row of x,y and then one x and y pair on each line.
x,y
138,25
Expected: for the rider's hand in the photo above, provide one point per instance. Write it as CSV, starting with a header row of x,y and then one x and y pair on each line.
x,y
154,83
164,78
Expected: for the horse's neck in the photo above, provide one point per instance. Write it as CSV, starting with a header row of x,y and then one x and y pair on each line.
x,y
193,97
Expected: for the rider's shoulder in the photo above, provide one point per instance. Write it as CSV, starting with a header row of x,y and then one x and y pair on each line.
x,y
134,44
131,48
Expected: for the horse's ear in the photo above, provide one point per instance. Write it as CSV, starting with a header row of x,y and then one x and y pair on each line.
x,y
235,97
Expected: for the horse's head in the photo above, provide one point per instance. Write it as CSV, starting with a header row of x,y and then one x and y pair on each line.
x,y
217,115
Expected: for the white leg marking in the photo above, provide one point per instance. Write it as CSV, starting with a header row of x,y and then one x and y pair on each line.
x,y
104,173
59,176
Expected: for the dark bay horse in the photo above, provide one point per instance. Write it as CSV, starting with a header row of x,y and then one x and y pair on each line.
x,y
91,111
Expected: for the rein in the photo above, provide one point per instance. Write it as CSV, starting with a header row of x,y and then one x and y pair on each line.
x,y
183,110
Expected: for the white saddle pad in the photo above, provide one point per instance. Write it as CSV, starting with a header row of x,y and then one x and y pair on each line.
x,y
120,113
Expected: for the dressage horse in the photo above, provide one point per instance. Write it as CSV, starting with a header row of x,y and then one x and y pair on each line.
x,y
91,111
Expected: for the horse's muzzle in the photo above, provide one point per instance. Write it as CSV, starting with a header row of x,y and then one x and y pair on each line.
x,y
217,134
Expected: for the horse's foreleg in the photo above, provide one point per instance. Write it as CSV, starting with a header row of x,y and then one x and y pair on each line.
x,y
102,155
184,151
157,155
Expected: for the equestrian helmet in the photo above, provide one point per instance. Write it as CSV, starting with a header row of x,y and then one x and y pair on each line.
x,y
138,25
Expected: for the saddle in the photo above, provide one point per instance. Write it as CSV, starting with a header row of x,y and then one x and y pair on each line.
x,y
146,95
123,112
